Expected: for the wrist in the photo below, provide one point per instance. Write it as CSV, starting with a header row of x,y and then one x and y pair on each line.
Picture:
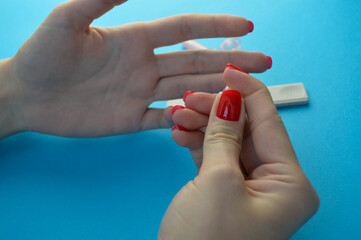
x,y
10,104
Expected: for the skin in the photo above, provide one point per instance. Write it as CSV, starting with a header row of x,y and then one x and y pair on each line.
x,y
249,183
73,79
76,80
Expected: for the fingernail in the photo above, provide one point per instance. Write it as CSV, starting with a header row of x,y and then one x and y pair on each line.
x,y
176,107
269,62
186,95
180,128
229,107
251,26
234,67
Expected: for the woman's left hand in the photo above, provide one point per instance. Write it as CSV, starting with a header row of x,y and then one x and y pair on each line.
x,y
73,79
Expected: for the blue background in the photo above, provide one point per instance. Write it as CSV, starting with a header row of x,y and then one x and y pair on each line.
x,y
119,187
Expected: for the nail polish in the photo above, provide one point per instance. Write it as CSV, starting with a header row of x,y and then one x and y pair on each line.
x,y
176,107
269,62
251,26
234,67
186,95
229,107
180,128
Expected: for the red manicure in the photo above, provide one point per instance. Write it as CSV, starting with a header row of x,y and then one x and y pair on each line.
x,y
269,62
229,107
186,95
176,107
180,128
251,26
234,67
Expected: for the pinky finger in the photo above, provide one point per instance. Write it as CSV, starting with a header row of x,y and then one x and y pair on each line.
x,y
192,140
189,139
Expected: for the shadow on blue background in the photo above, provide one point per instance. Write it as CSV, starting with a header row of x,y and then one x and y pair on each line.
x,y
119,187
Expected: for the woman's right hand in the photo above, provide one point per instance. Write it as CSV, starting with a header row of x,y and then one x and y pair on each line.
x,y
249,183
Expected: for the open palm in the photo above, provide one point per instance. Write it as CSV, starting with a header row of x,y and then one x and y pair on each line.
x,y
78,80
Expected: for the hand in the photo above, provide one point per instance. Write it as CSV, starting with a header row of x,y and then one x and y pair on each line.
x,y
250,184
73,79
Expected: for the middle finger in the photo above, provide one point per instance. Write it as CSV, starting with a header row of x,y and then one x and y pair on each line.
x,y
209,61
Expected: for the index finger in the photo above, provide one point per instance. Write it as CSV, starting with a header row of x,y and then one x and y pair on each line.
x,y
270,138
176,29
79,14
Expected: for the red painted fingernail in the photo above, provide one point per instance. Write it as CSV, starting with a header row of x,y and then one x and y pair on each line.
x,y
176,107
234,67
269,62
180,128
186,95
251,26
229,107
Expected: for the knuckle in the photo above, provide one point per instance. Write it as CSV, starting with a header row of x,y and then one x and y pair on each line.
x,y
186,29
216,26
225,174
263,89
272,115
199,63
217,84
60,9
232,56
64,13
223,134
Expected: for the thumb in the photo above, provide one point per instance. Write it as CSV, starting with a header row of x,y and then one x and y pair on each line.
x,y
224,134
79,14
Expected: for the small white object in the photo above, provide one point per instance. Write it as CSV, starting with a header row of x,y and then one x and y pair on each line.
x,y
174,102
193,45
289,94
230,44
282,95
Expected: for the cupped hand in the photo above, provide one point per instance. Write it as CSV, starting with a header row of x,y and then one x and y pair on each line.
x,y
73,79
249,185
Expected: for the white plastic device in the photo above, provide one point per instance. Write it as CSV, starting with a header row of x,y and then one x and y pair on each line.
x,y
288,94
282,95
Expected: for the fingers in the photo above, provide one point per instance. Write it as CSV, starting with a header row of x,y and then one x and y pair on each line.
x,y
175,29
223,138
209,61
156,118
188,139
175,87
270,138
80,14
199,102
193,140
189,119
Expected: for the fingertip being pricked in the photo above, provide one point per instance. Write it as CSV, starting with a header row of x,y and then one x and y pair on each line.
x,y
186,94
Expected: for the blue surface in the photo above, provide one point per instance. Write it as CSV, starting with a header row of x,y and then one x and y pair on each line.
x,y
119,187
